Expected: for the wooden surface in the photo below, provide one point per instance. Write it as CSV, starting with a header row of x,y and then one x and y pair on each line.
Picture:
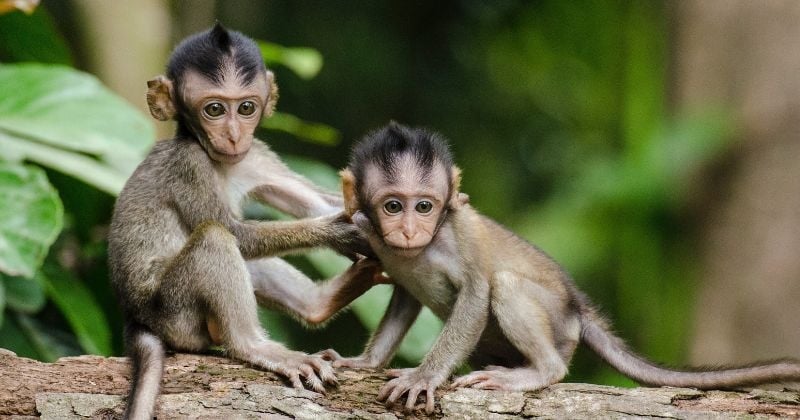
x,y
214,387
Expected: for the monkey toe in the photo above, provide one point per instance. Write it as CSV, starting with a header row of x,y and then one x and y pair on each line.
x,y
470,379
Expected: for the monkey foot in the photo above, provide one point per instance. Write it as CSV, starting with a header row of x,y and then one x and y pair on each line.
x,y
503,379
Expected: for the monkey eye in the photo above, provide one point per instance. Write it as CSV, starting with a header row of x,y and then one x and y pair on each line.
x,y
247,108
214,109
393,207
424,207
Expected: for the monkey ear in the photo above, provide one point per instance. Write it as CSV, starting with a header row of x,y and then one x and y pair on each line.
x,y
272,96
349,192
457,198
160,98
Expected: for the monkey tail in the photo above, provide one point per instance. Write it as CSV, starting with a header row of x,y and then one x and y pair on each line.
x,y
596,333
147,355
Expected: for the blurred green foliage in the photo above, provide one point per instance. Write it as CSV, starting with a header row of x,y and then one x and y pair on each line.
x,y
556,112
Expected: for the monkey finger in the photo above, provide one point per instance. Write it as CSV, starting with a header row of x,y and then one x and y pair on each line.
x,y
495,367
382,278
397,392
328,354
411,398
387,389
488,384
312,380
361,220
396,373
294,378
467,380
429,401
325,371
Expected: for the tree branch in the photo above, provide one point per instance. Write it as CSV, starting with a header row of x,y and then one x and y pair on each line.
x,y
215,387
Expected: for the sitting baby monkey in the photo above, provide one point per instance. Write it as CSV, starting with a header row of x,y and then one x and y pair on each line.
x,y
508,307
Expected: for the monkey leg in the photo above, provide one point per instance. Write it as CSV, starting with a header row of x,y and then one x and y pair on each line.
x,y
208,280
278,284
524,312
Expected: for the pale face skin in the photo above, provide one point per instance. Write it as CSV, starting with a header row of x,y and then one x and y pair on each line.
x,y
227,113
408,209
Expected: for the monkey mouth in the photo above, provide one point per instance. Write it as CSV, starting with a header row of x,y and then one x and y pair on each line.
x,y
229,157
407,251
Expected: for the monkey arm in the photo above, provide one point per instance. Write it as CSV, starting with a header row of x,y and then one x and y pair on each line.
x,y
197,200
400,315
278,284
459,336
264,239
462,330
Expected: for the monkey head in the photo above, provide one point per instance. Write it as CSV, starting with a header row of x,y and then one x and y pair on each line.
x,y
218,89
403,182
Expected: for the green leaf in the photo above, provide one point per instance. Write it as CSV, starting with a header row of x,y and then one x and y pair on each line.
x,y
78,305
70,110
49,344
81,167
32,38
303,61
23,295
310,131
32,216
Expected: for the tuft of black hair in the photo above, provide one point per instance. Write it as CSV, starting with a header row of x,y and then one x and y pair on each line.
x,y
207,52
384,146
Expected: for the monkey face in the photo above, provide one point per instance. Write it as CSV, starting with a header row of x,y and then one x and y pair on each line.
x,y
408,205
225,115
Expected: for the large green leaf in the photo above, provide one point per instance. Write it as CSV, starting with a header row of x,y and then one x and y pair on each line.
x,y
23,295
67,110
31,215
80,308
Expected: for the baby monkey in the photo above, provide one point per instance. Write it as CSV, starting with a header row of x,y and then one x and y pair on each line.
x,y
509,308
187,269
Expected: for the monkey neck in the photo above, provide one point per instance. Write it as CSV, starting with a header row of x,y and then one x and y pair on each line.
x,y
183,130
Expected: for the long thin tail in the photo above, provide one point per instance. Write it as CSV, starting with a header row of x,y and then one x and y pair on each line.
x,y
598,336
147,354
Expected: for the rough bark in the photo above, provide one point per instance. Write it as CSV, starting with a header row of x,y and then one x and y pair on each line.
x,y
214,387
745,56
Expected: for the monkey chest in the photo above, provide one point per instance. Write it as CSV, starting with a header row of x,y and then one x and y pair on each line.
x,y
433,290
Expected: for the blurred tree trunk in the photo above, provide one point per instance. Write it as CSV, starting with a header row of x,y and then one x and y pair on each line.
x,y
745,56
128,43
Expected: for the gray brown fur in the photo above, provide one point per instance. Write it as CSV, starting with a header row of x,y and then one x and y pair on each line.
x,y
189,271
508,308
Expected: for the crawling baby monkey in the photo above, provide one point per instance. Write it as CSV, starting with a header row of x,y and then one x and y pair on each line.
x,y
507,305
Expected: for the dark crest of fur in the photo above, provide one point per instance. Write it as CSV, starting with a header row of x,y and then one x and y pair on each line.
x,y
382,147
208,51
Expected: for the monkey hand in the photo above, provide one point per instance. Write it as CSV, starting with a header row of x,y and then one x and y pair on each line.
x,y
412,381
346,238
362,221
360,362
369,272
294,364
